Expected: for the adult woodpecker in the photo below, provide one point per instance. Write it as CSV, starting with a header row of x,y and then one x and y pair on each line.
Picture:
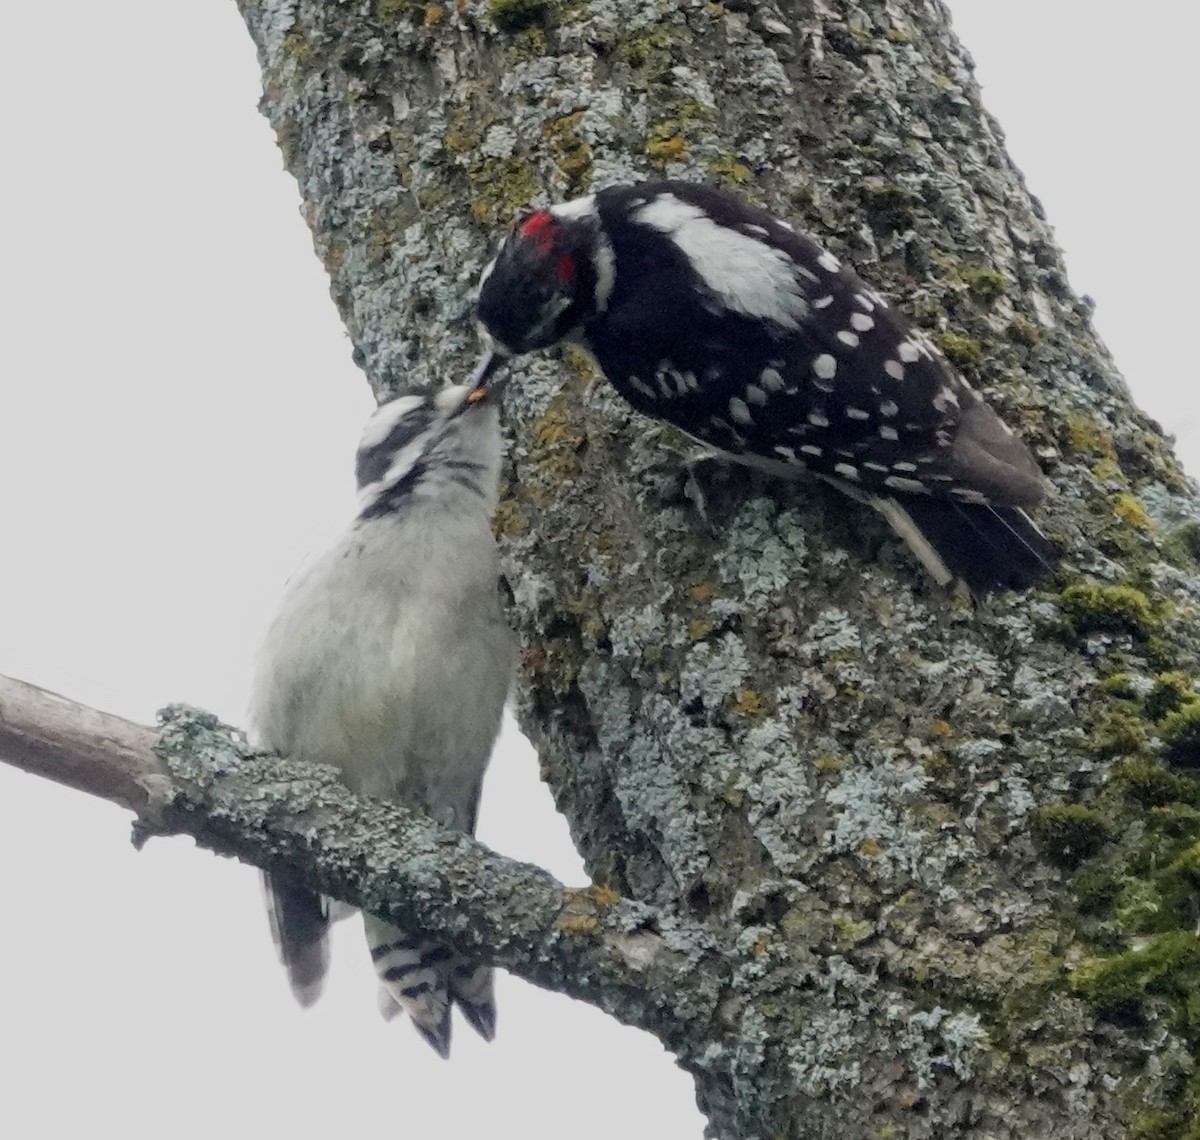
x,y
711,314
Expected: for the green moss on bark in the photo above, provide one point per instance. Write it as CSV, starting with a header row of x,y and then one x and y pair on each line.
x,y
1069,833
1092,607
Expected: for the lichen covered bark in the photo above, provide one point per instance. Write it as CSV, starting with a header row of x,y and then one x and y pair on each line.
x,y
949,870
398,863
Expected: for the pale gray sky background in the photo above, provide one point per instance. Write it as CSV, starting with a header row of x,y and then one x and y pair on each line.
x,y
178,413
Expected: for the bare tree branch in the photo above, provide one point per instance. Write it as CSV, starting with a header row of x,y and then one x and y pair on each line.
x,y
199,777
81,747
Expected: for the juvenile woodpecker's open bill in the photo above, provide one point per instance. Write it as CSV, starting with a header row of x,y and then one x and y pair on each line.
x,y
487,380
707,312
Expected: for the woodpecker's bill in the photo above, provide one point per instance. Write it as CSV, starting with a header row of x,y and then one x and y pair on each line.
x,y
366,665
709,313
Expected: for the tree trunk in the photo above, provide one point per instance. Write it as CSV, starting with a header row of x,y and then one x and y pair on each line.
x,y
950,875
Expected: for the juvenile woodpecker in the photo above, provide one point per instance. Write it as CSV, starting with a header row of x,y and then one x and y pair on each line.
x,y
390,659
709,313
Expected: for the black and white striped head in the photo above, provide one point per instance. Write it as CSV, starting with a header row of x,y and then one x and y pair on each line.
x,y
552,273
430,446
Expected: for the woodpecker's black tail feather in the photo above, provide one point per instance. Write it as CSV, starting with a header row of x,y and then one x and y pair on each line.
x,y
989,548
299,923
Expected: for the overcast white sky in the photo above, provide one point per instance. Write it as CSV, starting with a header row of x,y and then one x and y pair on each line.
x,y
178,414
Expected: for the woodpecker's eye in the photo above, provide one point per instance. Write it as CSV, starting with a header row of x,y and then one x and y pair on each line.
x,y
545,331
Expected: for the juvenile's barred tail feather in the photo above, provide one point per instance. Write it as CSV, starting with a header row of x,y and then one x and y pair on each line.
x,y
472,987
423,978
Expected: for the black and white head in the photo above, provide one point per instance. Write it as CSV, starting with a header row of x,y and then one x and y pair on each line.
x,y
430,446
551,274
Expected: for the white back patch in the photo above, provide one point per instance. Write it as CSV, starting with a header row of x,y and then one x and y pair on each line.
x,y
606,273
576,208
746,274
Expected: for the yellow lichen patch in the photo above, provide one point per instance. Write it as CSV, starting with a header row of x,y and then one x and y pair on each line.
x,y
297,47
960,350
389,11
652,50
602,895
1108,470
664,150
986,284
936,765
332,254
1130,510
578,924
698,629
503,186
1093,607
571,154
581,898
942,728
1024,331
381,236
579,362
560,444
827,763
727,170
750,704
665,144
1119,685
462,132
509,520
1085,436
849,932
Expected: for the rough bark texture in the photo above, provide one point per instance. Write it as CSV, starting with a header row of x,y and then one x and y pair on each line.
x,y
951,876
